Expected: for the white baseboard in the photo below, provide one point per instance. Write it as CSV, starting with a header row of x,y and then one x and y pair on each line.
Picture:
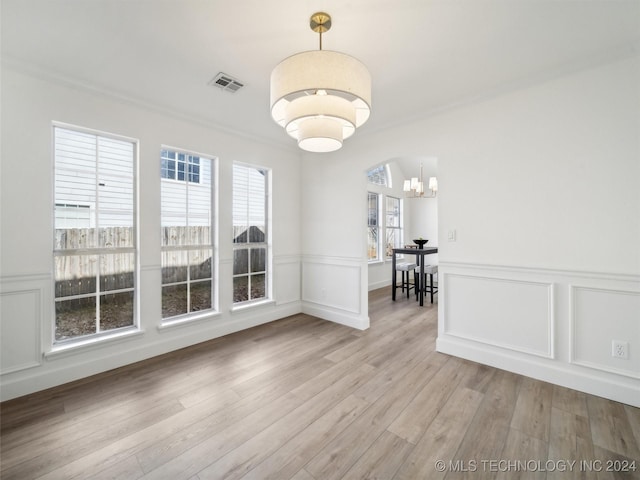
x,y
381,284
624,390
343,318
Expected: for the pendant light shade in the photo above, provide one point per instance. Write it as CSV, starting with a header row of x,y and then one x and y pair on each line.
x,y
341,111
320,95
320,135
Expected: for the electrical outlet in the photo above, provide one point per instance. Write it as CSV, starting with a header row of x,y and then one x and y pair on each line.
x,y
619,349
451,235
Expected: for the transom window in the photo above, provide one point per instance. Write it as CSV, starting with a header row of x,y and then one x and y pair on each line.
x,y
379,176
94,233
180,166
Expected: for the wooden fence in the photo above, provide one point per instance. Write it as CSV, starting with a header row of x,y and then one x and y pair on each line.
x,y
78,274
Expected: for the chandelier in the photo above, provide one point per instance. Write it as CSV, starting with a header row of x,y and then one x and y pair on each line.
x,y
320,97
414,188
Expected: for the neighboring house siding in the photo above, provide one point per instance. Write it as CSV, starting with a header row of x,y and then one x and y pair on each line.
x,y
174,195
75,187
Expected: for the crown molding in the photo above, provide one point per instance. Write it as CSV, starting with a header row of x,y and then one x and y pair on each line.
x,y
36,71
598,59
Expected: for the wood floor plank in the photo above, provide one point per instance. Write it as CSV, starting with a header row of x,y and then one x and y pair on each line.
x,y
613,466
569,441
190,461
302,475
248,383
633,416
68,452
398,348
268,367
169,446
128,469
293,455
443,437
391,373
245,457
533,409
126,448
333,461
570,400
610,428
478,376
523,458
315,385
382,459
425,406
205,453
367,347
488,431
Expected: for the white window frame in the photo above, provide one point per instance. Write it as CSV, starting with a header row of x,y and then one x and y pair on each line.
x,y
187,249
267,245
377,227
399,229
54,345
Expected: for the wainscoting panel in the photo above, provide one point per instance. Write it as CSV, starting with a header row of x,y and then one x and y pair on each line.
x,y
332,285
332,289
507,313
553,325
598,317
21,313
286,279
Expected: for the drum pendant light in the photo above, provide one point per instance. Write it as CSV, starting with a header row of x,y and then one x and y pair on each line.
x,y
320,97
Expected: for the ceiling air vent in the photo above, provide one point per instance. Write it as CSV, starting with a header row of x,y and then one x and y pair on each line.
x,y
226,82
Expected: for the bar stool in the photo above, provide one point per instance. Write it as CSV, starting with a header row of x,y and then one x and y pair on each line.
x,y
405,269
429,287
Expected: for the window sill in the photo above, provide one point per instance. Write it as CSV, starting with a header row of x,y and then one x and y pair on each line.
x,y
250,305
185,320
77,346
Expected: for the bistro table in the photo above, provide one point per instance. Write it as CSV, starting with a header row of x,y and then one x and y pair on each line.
x,y
419,253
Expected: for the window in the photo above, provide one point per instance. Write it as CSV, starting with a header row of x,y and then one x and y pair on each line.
x,y
73,215
251,253
379,176
94,238
393,225
373,230
187,234
180,166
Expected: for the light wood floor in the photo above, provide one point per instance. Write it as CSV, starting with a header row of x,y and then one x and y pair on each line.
x,y
307,399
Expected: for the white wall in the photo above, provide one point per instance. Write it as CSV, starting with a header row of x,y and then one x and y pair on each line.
x,y
29,105
334,237
541,186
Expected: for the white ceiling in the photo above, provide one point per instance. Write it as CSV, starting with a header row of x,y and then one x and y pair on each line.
x,y
424,55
